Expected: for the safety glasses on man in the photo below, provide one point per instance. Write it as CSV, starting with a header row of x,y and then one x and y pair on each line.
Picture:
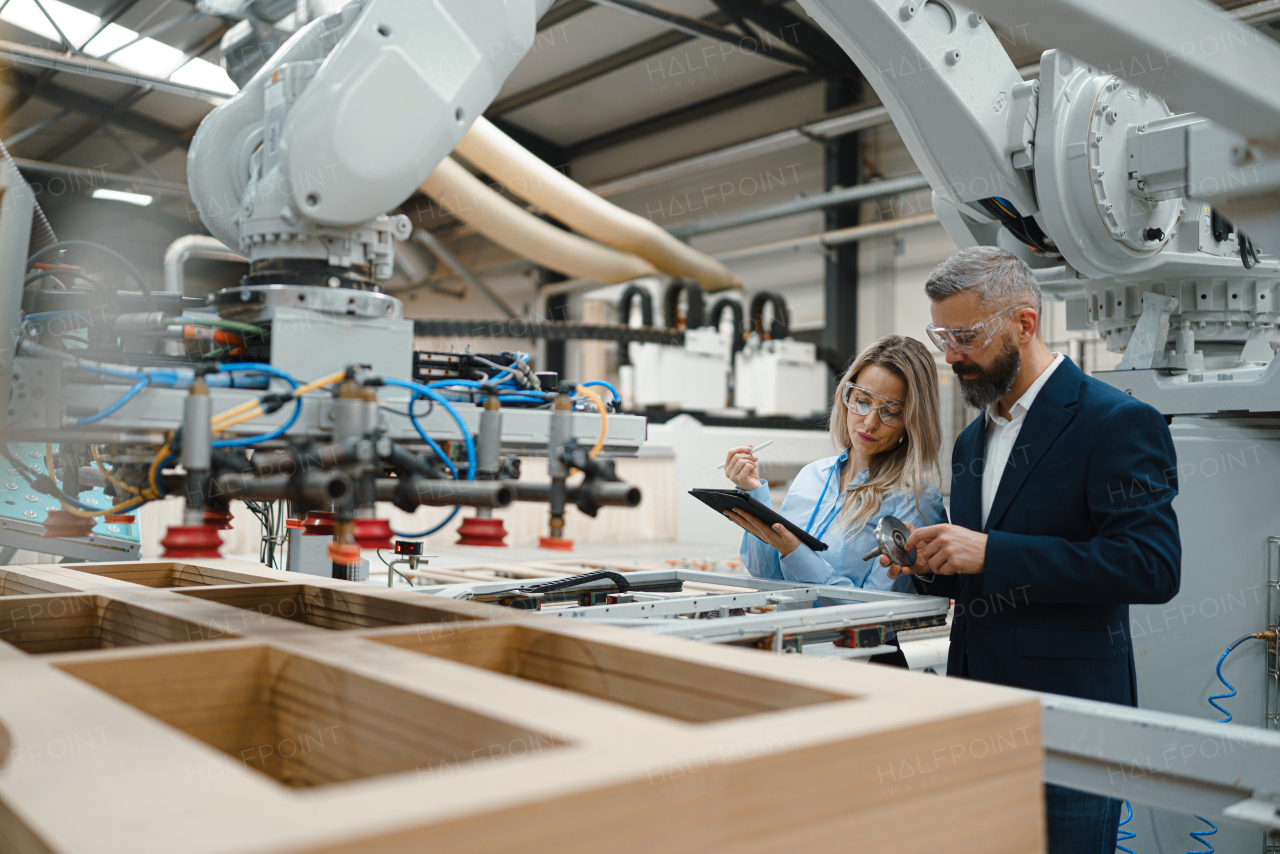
x,y
862,400
970,339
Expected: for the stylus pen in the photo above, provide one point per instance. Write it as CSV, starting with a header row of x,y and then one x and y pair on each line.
x,y
757,449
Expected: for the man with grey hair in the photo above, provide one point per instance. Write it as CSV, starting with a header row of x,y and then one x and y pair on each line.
x,y
1061,503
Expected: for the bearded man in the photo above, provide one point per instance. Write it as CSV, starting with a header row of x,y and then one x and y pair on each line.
x,y
1061,499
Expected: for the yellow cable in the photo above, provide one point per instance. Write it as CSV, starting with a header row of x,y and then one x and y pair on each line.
x,y
235,410
111,478
76,511
320,383
252,409
604,418
152,491
239,419
89,514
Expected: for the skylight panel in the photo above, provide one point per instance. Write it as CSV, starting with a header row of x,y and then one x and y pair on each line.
x,y
206,75
150,57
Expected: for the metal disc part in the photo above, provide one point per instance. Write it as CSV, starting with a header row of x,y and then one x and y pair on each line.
x,y
892,536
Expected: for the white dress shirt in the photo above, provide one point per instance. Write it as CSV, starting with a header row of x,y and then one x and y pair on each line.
x,y
1002,435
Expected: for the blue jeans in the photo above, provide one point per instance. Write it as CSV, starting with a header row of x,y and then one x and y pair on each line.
x,y
1080,823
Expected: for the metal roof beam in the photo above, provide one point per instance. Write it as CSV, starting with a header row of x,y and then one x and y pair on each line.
x,y
599,68
54,61
796,33
702,28
101,111
693,112
587,73
563,11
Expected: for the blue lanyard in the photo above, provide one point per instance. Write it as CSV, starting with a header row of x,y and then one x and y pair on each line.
x,y
835,468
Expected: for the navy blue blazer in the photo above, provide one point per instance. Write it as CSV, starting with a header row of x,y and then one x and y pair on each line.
x,y
1082,526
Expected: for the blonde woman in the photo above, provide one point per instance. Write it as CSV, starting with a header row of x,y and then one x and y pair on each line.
x,y
884,417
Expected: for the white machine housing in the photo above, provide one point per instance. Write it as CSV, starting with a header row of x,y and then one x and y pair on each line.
x,y
694,377
780,377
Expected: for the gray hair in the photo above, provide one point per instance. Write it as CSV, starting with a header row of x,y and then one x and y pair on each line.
x,y
999,278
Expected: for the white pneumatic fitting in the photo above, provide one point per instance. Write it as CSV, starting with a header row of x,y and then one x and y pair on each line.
x,y
953,56
908,10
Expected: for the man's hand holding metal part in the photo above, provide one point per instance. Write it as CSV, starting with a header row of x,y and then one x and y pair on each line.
x,y
942,550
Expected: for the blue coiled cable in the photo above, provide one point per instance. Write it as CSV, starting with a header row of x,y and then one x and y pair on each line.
x,y
1125,835
1213,701
1198,836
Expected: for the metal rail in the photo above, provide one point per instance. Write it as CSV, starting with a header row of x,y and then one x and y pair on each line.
x,y
1168,761
805,613
1172,762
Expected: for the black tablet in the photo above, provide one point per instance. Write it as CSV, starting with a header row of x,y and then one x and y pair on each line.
x,y
723,500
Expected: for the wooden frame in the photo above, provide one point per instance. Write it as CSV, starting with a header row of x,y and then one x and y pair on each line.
x,y
433,724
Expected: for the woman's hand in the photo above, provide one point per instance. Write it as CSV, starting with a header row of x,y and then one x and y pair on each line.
x,y
777,536
740,467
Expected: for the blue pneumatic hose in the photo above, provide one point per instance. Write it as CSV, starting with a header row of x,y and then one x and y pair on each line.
x,y
1125,835
420,390
1198,835
115,407
270,370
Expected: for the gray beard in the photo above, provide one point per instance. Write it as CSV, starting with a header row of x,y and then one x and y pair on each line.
x,y
994,382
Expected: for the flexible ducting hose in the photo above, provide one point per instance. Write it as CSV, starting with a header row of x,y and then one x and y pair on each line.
x,y
467,198
41,231
501,157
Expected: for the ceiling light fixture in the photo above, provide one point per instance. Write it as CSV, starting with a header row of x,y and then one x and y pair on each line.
x,y
121,196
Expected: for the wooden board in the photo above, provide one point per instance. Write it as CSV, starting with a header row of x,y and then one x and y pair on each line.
x,y
205,720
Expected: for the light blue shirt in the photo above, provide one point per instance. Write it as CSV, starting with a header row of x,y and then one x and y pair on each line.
x,y
814,500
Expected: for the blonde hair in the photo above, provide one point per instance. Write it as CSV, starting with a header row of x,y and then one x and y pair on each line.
x,y
912,466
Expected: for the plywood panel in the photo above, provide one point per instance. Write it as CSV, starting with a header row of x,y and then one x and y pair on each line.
x,y
439,725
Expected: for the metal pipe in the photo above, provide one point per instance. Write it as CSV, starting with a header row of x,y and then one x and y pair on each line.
x,y
36,128
606,493
100,177
489,445
197,448
489,440
467,493
835,238
1257,14
192,246
429,241
314,488
282,462
822,130
41,58
821,201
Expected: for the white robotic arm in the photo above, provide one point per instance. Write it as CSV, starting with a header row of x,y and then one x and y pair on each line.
x,y
1083,173
343,123
963,111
